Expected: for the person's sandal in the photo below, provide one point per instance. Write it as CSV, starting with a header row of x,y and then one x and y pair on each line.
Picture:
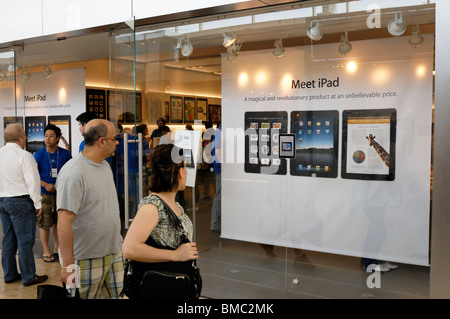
x,y
48,259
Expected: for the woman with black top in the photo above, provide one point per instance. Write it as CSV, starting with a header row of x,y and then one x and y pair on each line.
x,y
152,218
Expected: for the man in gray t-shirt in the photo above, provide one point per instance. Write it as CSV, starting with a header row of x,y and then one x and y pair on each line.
x,y
89,217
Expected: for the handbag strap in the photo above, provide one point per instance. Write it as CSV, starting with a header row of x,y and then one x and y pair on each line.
x,y
171,214
175,221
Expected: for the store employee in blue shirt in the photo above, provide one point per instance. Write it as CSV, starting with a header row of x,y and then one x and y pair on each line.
x,y
50,159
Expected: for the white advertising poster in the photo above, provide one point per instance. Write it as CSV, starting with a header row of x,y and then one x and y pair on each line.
x,y
359,184
57,100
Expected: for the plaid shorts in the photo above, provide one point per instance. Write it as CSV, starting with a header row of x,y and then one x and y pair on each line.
x,y
101,278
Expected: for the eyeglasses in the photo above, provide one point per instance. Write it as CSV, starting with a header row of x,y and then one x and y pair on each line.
x,y
115,138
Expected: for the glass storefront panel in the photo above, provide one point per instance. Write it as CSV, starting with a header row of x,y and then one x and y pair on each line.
x,y
315,139
125,111
326,138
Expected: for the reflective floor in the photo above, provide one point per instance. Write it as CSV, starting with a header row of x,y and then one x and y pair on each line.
x,y
241,270
237,270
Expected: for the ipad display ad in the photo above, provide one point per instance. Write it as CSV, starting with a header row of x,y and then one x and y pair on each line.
x,y
12,119
316,144
368,149
262,147
34,128
63,122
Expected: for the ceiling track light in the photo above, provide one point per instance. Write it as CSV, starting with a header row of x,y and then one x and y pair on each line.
x,y
416,38
47,71
397,26
229,40
314,32
185,46
345,46
279,51
233,50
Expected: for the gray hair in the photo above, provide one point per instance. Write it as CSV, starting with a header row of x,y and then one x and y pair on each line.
x,y
12,133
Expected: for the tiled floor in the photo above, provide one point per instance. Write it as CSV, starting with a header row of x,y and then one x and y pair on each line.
x,y
17,290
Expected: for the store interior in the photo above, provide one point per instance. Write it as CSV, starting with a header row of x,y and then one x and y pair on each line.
x,y
163,62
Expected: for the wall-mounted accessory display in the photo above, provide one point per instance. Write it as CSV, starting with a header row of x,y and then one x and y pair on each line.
x,y
122,102
202,105
176,109
115,104
96,102
130,106
189,110
214,113
316,134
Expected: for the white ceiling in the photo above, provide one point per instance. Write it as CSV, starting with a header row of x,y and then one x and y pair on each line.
x,y
151,45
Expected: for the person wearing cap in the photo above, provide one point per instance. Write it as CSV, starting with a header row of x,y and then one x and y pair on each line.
x,y
20,205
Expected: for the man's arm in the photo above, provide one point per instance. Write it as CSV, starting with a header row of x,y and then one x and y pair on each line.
x,y
65,237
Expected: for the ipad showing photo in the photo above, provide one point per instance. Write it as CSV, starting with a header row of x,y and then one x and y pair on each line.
x,y
34,128
316,143
63,122
262,154
368,144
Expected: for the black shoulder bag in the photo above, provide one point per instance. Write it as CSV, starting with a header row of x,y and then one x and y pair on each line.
x,y
164,280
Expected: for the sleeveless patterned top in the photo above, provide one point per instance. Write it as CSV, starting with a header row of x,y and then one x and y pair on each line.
x,y
165,233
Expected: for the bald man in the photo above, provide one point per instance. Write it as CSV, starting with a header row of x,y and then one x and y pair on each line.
x,y
20,204
88,216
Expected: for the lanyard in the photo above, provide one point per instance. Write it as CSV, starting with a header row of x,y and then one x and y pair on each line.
x,y
53,171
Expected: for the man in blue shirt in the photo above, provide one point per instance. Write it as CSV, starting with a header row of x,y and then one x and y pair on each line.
x,y
49,160
83,119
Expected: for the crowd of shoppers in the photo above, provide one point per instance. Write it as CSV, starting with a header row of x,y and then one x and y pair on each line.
x,y
52,190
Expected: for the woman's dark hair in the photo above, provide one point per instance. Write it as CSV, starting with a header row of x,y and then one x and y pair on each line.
x,y
164,176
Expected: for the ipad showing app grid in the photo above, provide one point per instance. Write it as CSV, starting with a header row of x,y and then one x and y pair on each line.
x,y
262,147
316,144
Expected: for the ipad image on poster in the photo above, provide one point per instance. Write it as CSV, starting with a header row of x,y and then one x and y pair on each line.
x,y
262,147
12,119
64,123
316,143
34,128
368,144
